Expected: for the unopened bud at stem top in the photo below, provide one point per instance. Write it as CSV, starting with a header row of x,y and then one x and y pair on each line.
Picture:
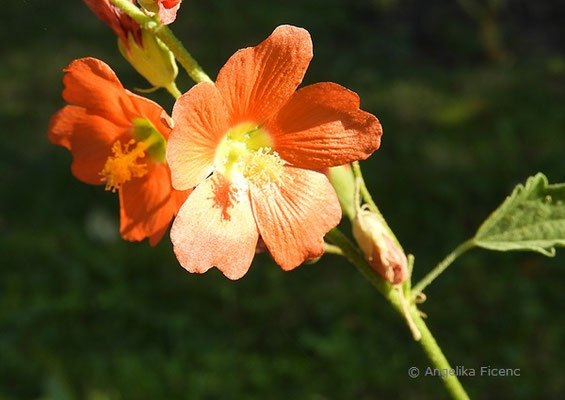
x,y
166,9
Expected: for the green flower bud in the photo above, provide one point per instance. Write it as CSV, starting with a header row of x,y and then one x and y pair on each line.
x,y
152,59
343,181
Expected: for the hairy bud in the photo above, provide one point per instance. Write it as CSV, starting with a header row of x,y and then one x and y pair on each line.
x,y
152,59
380,249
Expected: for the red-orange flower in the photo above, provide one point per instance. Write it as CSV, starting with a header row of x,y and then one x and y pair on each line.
x,y
143,50
118,139
262,143
121,23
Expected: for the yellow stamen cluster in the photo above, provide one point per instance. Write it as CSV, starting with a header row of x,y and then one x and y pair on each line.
x,y
123,165
246,153
263,166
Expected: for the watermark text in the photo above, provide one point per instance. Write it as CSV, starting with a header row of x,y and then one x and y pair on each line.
x,y
461,371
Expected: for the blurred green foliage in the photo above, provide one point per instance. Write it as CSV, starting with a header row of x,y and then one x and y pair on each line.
x,y
84,315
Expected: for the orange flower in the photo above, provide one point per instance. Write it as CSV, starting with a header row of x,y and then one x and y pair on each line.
x,y
118,139
121,23
262,143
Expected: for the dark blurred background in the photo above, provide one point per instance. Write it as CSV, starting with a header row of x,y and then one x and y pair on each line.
x,y
471,94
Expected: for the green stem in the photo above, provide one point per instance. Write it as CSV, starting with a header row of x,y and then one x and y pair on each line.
x,y
446,262
427,341
364,191
357,259
174,90
436,356
133,11
182,55
369,200
167,37
331,249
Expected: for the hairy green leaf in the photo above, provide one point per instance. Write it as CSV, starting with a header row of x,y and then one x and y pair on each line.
x,y
531,218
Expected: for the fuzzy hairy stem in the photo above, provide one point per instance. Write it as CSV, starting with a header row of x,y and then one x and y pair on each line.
x,y
426,339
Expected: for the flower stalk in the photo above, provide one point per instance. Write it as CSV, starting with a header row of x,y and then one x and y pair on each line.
x,y
331,249
427,341
173,90
182,55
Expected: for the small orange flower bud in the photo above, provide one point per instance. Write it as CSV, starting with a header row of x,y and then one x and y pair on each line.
x,y
167,9
380,249
153,5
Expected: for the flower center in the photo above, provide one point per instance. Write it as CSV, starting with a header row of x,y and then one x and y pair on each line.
x,y
123,165
125,162
246,153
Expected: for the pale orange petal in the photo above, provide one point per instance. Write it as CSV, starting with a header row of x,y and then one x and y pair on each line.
x,y
215,227
201,121
295,214
257,81
92,84
148,204
322,126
